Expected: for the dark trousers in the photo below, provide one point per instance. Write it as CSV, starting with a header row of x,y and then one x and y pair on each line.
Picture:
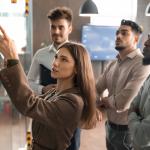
x,y
75,141
117,137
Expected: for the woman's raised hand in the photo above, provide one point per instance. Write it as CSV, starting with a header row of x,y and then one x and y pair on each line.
x,y
7,46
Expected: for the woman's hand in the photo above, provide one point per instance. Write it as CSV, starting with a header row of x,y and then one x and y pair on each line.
x,y
7,46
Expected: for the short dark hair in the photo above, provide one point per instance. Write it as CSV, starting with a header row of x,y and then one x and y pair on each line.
x,y
135,27
61,13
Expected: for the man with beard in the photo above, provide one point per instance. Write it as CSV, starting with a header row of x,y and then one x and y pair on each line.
x,y
122,78
60,25
139,112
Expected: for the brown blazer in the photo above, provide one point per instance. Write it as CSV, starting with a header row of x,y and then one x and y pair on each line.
x,y
55,117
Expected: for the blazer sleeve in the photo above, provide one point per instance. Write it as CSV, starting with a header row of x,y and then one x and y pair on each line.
x,y
47,112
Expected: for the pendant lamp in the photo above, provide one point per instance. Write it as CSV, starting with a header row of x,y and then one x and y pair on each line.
x,y
147,11
88,8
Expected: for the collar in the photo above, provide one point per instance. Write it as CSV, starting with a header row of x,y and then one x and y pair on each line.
x,y
53,48
132,54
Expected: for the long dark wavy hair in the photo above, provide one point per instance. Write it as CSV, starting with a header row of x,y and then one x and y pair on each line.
x,y
84,79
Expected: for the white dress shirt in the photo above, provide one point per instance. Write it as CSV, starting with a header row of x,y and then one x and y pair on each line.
x,y
123,80
45,57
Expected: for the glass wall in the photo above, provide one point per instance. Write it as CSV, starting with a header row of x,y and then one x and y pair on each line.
x,y
12,123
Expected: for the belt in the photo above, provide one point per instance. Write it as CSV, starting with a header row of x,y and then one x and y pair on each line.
x,y
117,126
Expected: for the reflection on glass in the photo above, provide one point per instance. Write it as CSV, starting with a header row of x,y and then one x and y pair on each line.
x,y
12,123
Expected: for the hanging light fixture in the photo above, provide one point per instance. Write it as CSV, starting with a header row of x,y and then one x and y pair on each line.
x,y
13,1
147,10
88,8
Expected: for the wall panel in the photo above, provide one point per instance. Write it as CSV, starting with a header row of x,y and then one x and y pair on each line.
x,y
40,22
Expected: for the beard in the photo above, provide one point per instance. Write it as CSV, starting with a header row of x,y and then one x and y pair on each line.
x,y
146,61
119,48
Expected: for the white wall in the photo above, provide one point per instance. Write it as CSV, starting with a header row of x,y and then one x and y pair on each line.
x,y
111,12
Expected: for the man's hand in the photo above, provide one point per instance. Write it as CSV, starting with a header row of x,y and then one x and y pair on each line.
x,y
99,115
103,103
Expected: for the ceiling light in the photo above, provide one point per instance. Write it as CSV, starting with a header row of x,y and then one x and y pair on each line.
x,y
147,11
88,8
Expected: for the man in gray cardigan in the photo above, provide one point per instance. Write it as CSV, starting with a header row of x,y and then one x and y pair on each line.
x,y
139,112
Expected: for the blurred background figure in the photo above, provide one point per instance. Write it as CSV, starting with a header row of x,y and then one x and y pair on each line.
x,y
139,112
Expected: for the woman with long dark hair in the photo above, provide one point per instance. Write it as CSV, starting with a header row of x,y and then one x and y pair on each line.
x,y
63,108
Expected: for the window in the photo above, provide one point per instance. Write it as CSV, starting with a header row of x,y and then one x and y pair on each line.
x,y
13,20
